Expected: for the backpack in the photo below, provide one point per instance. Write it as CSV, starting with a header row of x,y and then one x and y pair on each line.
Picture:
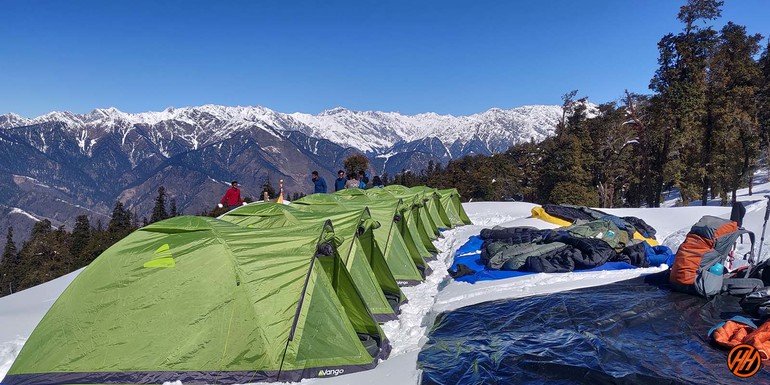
x,y
709,242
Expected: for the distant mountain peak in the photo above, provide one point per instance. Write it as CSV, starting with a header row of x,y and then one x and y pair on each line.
x,y
334,111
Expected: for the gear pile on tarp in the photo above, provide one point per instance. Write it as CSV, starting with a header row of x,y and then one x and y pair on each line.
x,y
565,215
591,241
743,329
269,292
705,266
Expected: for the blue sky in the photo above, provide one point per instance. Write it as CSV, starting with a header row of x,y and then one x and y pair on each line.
x,y
409,56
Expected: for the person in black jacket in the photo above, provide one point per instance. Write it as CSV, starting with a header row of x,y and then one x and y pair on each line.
x,y
377,182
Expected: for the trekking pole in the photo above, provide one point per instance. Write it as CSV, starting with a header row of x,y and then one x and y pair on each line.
x,y
764,227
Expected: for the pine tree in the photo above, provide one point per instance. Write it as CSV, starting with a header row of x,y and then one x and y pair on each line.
x,y
41,228
565,175
81,236
43,257
8,264
134,220
650,156
680,82
763,100
159,212
734,81
98,241
173,211
613,141
10,250
120,223
527,158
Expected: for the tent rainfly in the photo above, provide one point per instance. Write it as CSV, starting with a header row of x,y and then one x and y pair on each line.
x,y
435,208
450,199
418,215
358,248
407,224
407,268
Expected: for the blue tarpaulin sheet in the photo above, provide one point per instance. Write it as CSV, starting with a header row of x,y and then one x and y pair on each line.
x,y
626,333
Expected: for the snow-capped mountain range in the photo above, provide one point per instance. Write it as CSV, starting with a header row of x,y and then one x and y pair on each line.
x,y
62,164
367,131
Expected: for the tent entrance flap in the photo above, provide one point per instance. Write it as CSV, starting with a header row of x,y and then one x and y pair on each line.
x,y
350,224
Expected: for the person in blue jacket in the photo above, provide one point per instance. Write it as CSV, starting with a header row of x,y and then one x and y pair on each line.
x,y
363,180
319,183
339,183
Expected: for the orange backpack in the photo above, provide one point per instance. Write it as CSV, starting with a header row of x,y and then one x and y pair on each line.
x,y
709,242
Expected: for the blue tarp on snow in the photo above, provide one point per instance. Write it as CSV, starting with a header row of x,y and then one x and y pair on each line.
x,y
469,255
631,332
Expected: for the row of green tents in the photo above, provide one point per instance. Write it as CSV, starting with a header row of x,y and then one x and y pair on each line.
x,y
267,292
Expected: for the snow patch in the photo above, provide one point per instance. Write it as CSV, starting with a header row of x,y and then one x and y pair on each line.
x,y
8,351
18,179
16,210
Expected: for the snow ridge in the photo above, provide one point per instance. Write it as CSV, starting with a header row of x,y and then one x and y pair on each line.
x,y
368,131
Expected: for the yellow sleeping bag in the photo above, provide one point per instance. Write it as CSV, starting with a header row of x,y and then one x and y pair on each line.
x,y
539,213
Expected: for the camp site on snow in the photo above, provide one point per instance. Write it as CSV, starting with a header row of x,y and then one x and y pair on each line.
x,y
381,192
402,285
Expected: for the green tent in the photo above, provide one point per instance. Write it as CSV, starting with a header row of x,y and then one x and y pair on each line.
x,y
200,300
434,207
415,237
450,199
427,230
408,268
358,249
425,219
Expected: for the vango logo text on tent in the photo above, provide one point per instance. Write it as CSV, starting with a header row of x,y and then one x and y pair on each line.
x,y
330,372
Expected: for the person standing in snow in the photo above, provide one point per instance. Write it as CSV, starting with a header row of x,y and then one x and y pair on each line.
x,y
352,182
339,183
377,182
319,183
232,197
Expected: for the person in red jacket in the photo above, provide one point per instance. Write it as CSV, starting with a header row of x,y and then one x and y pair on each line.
x,y
232,197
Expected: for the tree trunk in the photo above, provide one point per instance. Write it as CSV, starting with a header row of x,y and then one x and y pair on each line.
x,y
658,191
661,166
706,156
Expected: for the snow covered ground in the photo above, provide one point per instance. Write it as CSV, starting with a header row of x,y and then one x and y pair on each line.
x,y
19,313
